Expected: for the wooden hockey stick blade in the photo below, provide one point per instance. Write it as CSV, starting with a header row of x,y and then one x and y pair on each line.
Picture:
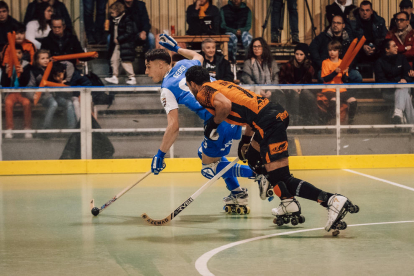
x,y
166,220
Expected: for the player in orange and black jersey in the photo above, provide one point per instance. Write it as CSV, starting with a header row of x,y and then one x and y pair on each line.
x,y
268,122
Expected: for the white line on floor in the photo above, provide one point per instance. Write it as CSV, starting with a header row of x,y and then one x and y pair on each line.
x,y
380,179
201,263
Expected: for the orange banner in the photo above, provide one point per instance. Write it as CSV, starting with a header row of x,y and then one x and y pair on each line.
x,y
348,53
345,64
13,61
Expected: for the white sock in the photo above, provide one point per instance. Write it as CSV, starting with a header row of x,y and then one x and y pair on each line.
x,y
398,112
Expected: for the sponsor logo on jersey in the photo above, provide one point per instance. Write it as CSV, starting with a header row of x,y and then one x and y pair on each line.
x,y
278,147
282,116
180,71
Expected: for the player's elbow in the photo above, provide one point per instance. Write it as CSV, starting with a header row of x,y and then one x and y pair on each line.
x,y
199,58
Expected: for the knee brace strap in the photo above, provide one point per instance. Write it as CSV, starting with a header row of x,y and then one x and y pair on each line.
x,y
276,179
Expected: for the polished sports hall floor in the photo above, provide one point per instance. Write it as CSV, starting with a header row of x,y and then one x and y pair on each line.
x,y
46,227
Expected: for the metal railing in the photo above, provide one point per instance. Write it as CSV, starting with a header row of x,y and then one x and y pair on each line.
x,y
86,108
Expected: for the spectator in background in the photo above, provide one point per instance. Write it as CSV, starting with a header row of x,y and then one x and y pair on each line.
x,y
405,6
298,102
138,12
403,36
13,98
203,18
319,52
122,44
38,29
293,20
28,47
59,9
95,32
7,24
339,7
60,41
393,67
366,22
236,21
215,63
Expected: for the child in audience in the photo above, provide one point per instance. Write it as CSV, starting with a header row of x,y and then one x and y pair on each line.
x,y
29,49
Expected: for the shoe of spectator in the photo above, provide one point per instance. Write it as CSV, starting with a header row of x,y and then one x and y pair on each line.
x,y
396,120
28,135
131,81
295,39
275,38
113,79
8,134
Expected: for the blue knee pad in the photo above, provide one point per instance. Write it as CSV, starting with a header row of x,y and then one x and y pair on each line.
x,y
231,183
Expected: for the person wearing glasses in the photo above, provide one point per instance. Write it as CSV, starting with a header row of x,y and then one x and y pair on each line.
x,y
405,6
403,36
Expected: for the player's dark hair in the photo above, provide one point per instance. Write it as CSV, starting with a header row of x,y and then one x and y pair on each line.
x,y
158,54
385,45
18,47
57,68
3,5
20,28
407,16
198,75
364,3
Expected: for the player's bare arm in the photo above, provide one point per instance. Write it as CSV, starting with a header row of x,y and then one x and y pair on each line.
x,y
171,132
222,106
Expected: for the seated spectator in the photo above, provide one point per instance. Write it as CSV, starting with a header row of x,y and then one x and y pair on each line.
x,y
7,24
122,44
203,18
138,12
65,73
215,63
332,74
13,98
319,51
293,20
59,9
298,102
366,22
339,7
393,67
60,41
95,32
28,47
405,6
39,28
236,21
403,36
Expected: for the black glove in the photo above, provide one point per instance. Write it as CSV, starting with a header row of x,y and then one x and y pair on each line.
x,y
243,147
210,130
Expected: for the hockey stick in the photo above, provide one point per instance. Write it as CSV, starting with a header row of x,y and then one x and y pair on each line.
x,y
189,200
96,211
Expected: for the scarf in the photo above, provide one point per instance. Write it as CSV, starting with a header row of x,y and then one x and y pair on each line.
x,y
261,74
202,12
403,34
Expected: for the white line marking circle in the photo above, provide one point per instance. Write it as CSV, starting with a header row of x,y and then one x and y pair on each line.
x,y
201,263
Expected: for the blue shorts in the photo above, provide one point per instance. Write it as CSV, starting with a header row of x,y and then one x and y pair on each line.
x,y
222,146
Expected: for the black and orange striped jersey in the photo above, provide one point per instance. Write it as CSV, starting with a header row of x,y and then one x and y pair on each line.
x,y
246,104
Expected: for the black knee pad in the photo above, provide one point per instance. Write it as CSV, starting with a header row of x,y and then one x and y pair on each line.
x,y
277,179
255,161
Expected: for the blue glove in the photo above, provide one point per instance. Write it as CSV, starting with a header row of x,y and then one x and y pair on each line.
x,y
158,163
168,42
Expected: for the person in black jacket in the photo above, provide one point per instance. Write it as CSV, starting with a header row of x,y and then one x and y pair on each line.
x,y
405,6
7,24
392,67
215,63
59,9
60,41
122,43
319,52
203,18
339,7
138,12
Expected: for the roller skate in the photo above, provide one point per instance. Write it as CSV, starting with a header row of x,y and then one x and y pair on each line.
x,y
288,211
236,202
338,207
264,187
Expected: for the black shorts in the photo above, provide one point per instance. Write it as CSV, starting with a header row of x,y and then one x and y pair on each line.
x,y
270,132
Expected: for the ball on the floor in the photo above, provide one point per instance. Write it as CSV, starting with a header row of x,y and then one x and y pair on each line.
x,y
95,211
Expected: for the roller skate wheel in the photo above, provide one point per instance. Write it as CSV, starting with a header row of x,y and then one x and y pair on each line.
x,y
239,210
342,225
301,219
278,221
247,210
356,208
294,221
227,209
286,220
335,233
270,192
